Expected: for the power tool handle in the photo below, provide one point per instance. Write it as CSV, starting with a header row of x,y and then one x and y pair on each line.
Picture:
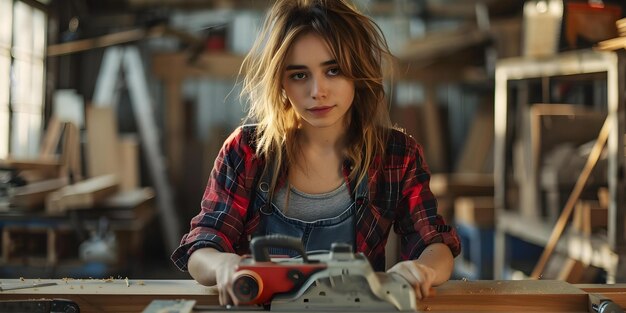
x,y
259,246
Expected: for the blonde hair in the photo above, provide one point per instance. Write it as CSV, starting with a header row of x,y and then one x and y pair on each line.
x,y
360,50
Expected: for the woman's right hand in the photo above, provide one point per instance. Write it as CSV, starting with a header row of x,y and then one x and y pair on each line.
x,y
223,276
211,267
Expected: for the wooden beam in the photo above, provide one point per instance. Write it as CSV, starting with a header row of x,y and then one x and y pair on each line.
x,y
462,184
98,42
441,44
121,37
102,141
435,148
48,167
34,195
112,295
128,158
82,195
51,138
115,295
181,65
475,211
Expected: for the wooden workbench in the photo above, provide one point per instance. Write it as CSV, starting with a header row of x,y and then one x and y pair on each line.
x,y
120,296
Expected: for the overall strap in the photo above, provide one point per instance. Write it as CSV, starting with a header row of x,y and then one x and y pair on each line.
x,y
362,191
262,188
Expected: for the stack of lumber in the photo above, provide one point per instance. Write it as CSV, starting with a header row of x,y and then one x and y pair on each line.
x,y
82,195
55,182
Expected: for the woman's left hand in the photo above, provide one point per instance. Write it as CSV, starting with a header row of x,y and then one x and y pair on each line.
x,y
420,276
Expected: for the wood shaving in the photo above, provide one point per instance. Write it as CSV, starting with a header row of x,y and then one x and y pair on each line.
x,y
127,283
141,283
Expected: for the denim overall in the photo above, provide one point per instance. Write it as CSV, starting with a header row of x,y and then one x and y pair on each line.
x,y
315,235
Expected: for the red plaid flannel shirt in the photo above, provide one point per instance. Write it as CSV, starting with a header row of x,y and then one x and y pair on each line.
x,y
399,195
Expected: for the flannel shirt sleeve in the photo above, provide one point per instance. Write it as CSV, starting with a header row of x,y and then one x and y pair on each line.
x,y
221,220
421,225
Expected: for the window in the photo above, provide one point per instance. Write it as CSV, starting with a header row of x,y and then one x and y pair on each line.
x,y
22,48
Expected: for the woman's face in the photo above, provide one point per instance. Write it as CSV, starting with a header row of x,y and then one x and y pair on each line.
x,y
317,90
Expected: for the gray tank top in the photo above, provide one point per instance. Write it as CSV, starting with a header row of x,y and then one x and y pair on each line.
x,y
312,207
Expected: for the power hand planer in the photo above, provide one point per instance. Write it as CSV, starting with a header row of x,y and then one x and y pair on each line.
x,y
338,281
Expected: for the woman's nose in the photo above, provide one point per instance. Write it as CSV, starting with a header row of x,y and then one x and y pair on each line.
x,y
319,89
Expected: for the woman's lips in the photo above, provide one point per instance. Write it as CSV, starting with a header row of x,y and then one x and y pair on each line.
x,y
322,110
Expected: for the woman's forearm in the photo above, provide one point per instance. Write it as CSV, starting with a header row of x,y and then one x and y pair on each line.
x,y
438,257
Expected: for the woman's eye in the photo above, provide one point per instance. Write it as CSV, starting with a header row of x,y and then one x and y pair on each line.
x,y
334,71
298,76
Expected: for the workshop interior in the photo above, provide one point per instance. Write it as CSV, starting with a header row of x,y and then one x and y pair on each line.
x,y
112,114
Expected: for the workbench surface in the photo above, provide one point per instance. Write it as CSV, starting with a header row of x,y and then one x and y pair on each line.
x,y
121,295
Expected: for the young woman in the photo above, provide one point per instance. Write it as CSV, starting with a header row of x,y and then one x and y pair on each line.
x,y
322,161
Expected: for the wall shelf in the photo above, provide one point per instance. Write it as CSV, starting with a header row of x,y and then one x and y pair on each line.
x,y
518,221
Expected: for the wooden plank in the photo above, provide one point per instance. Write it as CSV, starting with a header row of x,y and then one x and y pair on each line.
x,y
71,155
477,211
99,42
572,271
51,167
129,199
102,142
34,195
116,295
82,195
506,296
479,142
438,45
121,37
603,197
51,138
592,250
112,295
462,184
178,65
128,162
577,272
435,149
553,124
589,216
